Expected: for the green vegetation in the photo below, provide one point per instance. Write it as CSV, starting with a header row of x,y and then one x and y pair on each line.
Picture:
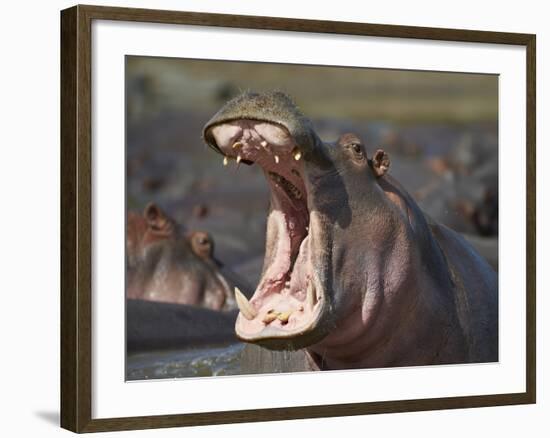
x,y
347,93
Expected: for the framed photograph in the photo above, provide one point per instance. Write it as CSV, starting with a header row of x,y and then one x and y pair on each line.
x,y
267,218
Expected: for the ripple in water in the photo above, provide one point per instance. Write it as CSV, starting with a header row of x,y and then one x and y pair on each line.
x,y
201,362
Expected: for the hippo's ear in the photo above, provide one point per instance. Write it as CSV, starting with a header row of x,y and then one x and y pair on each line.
x,y
380,162
156,219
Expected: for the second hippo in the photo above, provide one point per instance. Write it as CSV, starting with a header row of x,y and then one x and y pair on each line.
x,y
165,263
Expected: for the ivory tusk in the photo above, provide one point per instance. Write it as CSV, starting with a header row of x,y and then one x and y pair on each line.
x,y
311,299
244,305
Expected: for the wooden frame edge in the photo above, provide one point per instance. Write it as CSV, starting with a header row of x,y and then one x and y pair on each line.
x,y
76,226
306,412
531,218
302,25
69,327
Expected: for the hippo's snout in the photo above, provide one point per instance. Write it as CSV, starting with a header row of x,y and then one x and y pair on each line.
x,y
280,116
269,130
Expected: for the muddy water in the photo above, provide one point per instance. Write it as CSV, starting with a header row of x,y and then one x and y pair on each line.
x,y
199,362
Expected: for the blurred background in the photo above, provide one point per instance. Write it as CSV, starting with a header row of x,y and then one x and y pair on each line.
x,y
440,129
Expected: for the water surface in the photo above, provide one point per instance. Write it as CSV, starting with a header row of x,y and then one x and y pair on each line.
x,y
196,362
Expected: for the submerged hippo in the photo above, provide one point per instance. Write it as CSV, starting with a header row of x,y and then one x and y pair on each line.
x,y
354,271
166,264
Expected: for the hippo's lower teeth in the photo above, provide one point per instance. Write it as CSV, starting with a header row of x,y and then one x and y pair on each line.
x,y
247,310
270,317
311,296
283,317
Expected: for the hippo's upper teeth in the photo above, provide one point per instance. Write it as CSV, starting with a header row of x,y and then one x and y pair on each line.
x,y
264,143
297,154
244,305
225,161
277,159
237,145
239,158
290,188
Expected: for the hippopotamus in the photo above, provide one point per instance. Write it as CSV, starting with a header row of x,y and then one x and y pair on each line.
x,y
354,272
166,263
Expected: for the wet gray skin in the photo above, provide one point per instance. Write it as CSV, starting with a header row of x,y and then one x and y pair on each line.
x,y
353,269
166,264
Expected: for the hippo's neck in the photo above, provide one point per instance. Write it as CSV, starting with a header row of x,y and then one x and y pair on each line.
x,y
403,318
418,336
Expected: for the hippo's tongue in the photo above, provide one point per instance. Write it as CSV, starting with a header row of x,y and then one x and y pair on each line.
x,y
285,301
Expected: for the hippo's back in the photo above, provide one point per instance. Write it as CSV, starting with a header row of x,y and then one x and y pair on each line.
x,y
476,293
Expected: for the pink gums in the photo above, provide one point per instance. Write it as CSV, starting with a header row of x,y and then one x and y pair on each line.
x,y
283,286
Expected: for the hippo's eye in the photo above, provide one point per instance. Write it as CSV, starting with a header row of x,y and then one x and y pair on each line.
x,y
356,148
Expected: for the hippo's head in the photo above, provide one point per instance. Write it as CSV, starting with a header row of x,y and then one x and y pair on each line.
x,y
146,229
165,263
310,277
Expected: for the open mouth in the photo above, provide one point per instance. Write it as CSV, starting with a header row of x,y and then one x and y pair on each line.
x,y
287,303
